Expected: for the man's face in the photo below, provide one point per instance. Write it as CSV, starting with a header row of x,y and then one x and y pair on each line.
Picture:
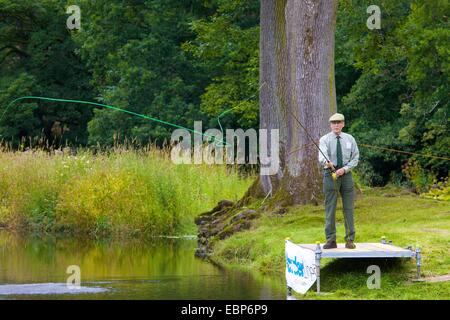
x,y
336,126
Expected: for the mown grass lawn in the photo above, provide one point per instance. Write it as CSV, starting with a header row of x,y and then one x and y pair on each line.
x,y
402,217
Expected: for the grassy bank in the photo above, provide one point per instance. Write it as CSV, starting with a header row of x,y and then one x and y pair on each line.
x,y
122,192
402,217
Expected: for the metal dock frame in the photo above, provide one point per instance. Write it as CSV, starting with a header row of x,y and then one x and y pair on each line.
x,y
417,255
318,255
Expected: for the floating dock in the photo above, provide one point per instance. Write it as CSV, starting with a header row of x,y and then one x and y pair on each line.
x,y
362,250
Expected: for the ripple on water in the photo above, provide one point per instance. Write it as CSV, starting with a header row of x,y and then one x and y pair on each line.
x,y
46,288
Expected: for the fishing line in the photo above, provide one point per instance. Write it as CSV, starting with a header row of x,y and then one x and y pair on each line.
x,y
405,152
229,110
218,119
109,107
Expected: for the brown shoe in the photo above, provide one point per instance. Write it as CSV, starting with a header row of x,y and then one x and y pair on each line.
x,y
350,245
331,244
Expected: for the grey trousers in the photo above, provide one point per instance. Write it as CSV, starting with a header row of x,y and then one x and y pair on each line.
x,y
345,186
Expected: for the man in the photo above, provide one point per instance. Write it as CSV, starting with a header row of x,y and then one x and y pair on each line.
x,y
342,151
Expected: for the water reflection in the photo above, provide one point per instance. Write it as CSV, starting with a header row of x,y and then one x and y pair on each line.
x,y
126,269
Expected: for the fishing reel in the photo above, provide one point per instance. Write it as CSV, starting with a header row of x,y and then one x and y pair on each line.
x,y
334,175
332,170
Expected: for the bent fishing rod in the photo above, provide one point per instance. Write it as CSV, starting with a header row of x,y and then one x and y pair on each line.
x,y
332,168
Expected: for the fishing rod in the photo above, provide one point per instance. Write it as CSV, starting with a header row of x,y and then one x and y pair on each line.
x,y
332,168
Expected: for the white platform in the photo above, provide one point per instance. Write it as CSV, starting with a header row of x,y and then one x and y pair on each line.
x,y
363,250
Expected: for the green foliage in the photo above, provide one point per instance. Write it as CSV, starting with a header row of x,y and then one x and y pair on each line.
x,y
133,51
400,99
417,176
37,57
227,43
439,191
22,122
424,38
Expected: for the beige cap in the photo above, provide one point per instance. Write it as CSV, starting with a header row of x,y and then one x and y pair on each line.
x,y
337,117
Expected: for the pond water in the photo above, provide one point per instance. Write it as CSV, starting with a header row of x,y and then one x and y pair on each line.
x,y
157,268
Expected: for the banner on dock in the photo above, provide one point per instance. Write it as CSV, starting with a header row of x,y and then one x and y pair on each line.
x,y
300,267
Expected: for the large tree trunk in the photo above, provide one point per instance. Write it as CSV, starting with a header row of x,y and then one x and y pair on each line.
x,y
296,77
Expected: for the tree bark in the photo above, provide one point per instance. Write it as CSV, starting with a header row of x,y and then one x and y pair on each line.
x,y
296,77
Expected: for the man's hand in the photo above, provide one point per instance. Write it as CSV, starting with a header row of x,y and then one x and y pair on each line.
x,y
340,172
329,165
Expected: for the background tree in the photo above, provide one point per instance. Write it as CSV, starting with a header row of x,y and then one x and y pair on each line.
x,y
401,76
133,49
297,79
227,46
37,57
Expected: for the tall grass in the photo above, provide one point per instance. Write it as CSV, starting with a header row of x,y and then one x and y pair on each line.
x,y
118,192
